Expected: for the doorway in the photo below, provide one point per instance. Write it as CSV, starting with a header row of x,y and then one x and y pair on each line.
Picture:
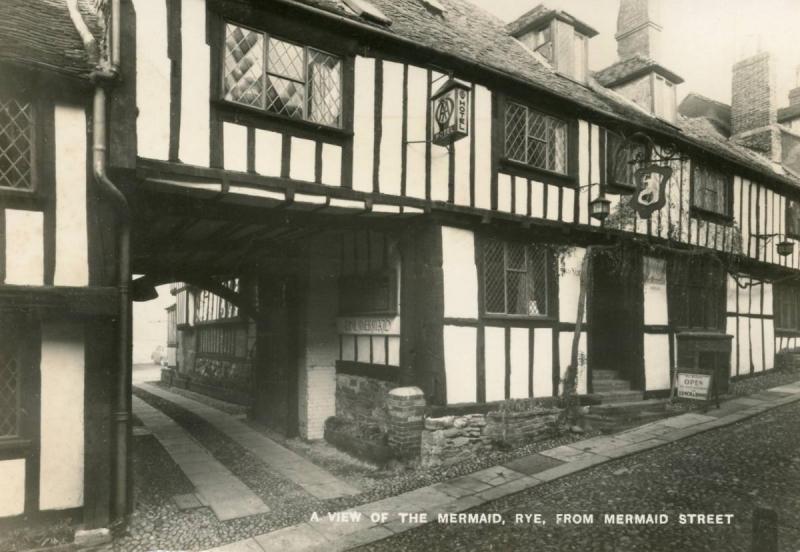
x,y
615,317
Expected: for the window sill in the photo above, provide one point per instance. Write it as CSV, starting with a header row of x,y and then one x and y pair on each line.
x,y
524,170
702,334
251,116
519,317
710,216
14,447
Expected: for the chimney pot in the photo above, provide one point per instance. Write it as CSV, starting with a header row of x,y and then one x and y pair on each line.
x,y
638,29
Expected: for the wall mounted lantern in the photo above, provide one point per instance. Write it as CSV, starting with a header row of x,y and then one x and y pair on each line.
x,y
785,247
600,208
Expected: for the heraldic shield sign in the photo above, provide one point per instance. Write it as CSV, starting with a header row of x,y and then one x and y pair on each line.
x,y
651,185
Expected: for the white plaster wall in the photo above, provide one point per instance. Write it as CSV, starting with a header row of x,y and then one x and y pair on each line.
x,y
72,257
302,165
269,148
391,145
331,165
655,292
12,487
24,247
542,362
195,69
153,79
460,363
656,361
569,285
62,373
565,353
364,124
416,121
495,363
520,368
459,273
483,147
234,138
440,156
317,400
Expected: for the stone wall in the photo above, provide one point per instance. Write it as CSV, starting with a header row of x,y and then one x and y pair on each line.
x,y
453,439
363,400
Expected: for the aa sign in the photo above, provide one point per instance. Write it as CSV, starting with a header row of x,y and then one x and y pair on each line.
x,y
651,187
450,113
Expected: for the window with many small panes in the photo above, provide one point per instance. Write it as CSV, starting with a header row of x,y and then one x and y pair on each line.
x,y
515,278
281,77
536,139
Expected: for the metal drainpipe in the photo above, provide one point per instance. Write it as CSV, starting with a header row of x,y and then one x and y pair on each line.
x,y
106,74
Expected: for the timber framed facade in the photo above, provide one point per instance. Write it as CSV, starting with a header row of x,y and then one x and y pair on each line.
x,y
277,160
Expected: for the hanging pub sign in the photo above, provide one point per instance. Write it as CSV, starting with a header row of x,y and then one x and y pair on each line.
x,y
651,189
450,113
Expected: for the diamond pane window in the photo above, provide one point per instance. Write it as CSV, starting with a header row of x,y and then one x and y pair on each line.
x,y
10,366
16,144
515,279
620,154
244,66
281,77
535,139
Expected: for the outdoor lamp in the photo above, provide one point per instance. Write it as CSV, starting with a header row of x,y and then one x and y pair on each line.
x,y
600,208
785,248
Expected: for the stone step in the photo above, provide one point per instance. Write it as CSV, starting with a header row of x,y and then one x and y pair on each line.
x,y
604,375
620,396
610,385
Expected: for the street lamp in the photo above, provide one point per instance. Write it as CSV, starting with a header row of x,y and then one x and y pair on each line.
x,y
784,247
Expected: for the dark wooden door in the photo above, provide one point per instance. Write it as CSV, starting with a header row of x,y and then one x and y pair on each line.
x,y
616,317
275,385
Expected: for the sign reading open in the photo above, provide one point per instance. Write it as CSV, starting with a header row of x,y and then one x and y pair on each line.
x,y
694,386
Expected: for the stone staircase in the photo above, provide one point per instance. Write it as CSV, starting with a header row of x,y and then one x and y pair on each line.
x,y
610,388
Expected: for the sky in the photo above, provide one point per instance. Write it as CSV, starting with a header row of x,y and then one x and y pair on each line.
x,y
701,39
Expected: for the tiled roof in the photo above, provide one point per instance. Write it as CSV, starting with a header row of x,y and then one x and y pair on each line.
x,y
630,68
542,14
39,33
697,105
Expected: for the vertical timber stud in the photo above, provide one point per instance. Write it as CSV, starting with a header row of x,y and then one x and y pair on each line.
x,y
122,143
174,53
409,293
430,321
99,355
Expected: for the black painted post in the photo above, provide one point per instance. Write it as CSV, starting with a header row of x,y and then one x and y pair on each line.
x,y
765,530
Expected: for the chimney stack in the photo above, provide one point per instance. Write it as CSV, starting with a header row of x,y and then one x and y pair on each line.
x,y
754,108
794,93
638,29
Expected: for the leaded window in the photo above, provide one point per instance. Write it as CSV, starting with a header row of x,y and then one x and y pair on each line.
x,y
787,307
696,287
621,157
281,77
211,307
793,218
711,190
10,374
535,139
515,278
16,144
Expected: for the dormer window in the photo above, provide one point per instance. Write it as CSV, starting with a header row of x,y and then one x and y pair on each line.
x,y
281,77
541,42
664,101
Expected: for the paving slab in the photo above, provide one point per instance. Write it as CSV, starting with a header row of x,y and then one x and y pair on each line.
x,y
571,467
291,539
496,475
313,479
246,545
216,486
533,463
187,501
636,447
566,453
685,420
790,388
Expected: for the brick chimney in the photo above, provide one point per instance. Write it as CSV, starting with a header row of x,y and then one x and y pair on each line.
x,y
794,93
754,107
638,29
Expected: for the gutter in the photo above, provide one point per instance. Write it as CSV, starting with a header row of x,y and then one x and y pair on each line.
x,y
104,76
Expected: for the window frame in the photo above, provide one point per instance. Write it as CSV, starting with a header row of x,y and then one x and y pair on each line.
x,y
706,214
680,295
608,181
266,36
781,302
519,168
551,282
28,386
42,145
792,232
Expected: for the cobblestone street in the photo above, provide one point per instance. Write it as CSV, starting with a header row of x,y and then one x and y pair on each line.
x,y
731,470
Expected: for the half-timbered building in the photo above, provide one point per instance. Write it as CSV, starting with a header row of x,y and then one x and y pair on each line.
x,y
397,193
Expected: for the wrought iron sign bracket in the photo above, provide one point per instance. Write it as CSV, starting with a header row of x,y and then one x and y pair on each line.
x,y
655,154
